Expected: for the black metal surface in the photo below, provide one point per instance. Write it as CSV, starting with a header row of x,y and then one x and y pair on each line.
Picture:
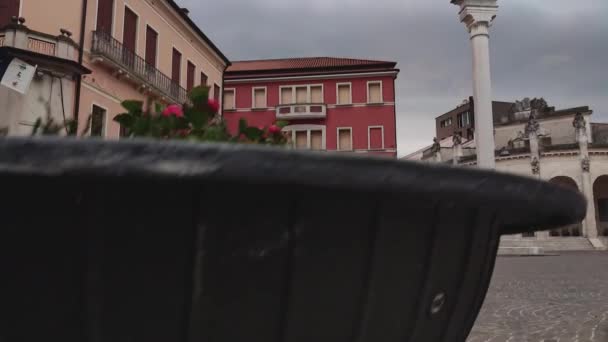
x,y
139,241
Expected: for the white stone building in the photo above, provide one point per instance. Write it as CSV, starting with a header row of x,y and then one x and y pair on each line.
x,y
559,146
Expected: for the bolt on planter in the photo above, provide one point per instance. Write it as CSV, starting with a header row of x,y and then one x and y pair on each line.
x,y
150,241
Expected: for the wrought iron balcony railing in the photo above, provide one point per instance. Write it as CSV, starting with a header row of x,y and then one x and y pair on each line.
x,y
105,45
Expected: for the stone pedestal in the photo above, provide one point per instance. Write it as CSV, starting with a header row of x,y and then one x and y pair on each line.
x,y
477,15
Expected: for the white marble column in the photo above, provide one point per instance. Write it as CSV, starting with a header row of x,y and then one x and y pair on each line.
x,y
589,223
477,15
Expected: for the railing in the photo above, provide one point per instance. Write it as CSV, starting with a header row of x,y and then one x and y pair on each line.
x,y
41,46
105,45
301,111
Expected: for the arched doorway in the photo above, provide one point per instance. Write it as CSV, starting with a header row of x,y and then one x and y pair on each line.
x,y
573,229
600,196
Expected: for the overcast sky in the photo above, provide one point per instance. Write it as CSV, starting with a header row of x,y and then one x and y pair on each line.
x,y
556,49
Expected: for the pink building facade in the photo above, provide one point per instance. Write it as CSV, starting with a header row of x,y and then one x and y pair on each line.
x,y
94,54
331,104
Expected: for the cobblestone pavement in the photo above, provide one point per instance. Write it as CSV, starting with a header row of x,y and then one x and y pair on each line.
x,y
550,298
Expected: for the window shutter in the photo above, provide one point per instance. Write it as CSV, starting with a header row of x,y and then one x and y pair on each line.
x,y
344,140
375,95
190,76
302,139
203,79
229,99
316,94
316,140
151,43
375,138
344,94
98,119
259,98
105,11
176,66
286,96
301,95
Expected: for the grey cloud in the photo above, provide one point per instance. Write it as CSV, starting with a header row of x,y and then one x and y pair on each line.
x,y
557,52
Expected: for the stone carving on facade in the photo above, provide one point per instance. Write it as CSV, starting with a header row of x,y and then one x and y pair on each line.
x,y
456,139
436,147
526,105
532,126
585,164
579,122
535,164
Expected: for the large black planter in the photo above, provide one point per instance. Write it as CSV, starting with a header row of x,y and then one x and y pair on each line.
x,y
140,241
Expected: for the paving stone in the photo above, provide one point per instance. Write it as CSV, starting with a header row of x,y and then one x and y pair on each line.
x,y
546,299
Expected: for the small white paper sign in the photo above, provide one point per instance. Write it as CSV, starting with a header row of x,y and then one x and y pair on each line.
x,y
18,75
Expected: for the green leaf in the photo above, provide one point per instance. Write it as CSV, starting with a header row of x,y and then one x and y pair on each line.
x,y
133,107
124,119
242,125
158,107
282,123
197,118
199,95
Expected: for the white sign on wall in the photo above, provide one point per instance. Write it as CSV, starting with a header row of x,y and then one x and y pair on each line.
x,y
18,75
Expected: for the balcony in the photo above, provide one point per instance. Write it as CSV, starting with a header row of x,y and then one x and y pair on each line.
x,y
301,111
112,53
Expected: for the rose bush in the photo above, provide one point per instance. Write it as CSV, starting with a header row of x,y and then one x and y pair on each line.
x,y
197,120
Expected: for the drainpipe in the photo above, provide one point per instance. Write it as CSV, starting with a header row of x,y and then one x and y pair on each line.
x,y
222,89
83,22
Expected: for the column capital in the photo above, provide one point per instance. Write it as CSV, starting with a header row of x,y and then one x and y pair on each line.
x,y
477,15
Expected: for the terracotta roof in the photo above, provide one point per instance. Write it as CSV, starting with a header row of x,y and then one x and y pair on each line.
x,y
304,64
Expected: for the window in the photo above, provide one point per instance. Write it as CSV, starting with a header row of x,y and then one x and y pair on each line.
x,y
259,98
446,123
344,94
176,67
316,94
345,139
129,33
376,138
301,94
229,99
151,46
308,138
286,95
203,79
98,121
464,119
374,92
190,76
105,16
301,141
316,140
216,92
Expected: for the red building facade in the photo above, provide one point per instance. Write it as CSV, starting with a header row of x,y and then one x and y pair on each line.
x,y
332,104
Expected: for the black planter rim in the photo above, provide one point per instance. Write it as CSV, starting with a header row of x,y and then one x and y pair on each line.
x,y
523,203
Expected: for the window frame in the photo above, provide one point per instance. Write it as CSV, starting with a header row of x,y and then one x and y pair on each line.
x,y
104,126
350,93
308,93
338,129
157,43
253,89
369,137
292,129
381,92
137,29
233,90
188,64
112,29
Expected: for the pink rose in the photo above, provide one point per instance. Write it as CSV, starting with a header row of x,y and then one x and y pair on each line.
x,y
273,129
213,105
173,109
